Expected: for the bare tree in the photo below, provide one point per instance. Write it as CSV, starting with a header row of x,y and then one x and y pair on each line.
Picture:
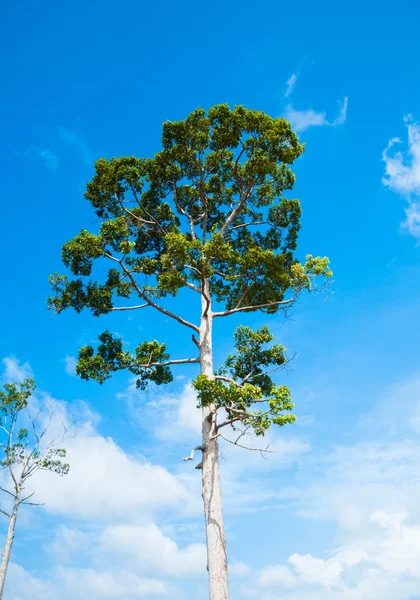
x,y
26,451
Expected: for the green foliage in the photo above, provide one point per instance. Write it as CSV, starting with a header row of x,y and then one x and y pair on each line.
x,y
21,449
244,381
14,398
110,357
210,205
208,212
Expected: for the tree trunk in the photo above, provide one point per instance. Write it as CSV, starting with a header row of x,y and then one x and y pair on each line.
x,y
216,541
8,547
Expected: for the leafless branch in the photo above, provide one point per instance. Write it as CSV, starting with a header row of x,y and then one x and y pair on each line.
x,y
193,451
261,450
285,303
7,492
249,224
129,307
26,498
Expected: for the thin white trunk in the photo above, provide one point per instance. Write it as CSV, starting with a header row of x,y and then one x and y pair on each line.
x,y
213,512
8,547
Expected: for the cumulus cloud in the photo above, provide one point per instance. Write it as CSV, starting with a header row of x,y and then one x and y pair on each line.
x,y
369,491
303,119
149,550
67,583
402,174
114,498
105,482
380,564
172,416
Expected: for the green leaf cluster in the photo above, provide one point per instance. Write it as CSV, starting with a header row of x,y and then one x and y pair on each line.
x,y
13,400
244,382
209,205
144,362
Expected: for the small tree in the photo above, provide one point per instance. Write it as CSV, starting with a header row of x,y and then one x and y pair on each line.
x,y
208,214
25,453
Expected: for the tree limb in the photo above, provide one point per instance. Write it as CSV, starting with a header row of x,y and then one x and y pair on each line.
x,y
261,450
7,492
256,307
193,451
148,300
129,307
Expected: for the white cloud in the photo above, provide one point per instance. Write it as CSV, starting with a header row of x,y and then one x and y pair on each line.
x,y
402,174
148,550
172,416
291,82
104,482
67,544
369,491
180,417
382,564
70,365
66,583
278,575
303,119
238,568
14,371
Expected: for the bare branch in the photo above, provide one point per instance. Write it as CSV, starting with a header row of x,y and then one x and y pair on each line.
x,y
228,422
261,450
5,513
7,492
129,307
249,224
257,306
236,210
166,363
193,451
23,501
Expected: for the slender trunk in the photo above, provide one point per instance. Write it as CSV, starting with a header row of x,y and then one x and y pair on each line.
x,y
8,546
216,541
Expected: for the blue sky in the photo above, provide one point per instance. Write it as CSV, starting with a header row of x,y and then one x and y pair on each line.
x,y
334,514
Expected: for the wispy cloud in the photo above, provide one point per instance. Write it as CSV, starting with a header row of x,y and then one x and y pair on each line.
x,y
48,157
303,119
402,174
290,86
70,365
62,135
74,138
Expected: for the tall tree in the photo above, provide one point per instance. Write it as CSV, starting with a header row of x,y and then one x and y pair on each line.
x,y
206,213
25,452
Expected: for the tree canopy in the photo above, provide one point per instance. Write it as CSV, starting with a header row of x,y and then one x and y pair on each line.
x,y
207,213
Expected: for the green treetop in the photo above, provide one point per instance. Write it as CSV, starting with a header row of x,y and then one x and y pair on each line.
x,y
206,211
